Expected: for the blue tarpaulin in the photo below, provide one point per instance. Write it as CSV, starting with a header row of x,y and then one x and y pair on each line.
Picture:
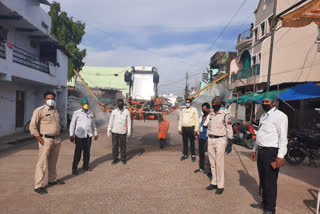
x,y
300,92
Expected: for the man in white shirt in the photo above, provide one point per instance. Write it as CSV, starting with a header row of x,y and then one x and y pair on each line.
x,y
271,144
119,127
82,128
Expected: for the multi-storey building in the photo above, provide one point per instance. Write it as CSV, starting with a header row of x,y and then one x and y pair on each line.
x,y
295,60
30,64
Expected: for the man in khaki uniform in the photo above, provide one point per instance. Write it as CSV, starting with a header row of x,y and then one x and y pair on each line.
x,y
219,126
45,127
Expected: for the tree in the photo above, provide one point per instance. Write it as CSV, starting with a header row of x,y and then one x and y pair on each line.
x,y
69,34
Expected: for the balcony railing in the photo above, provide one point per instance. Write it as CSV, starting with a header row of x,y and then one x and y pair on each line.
x,y
245,35
245,73
27,59
2,50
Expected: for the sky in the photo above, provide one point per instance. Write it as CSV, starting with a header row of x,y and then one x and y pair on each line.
x,y
176,36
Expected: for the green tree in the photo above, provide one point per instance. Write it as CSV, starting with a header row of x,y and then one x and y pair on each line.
x,y
69,34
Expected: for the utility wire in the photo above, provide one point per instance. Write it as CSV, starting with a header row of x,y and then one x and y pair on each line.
x,y
227,25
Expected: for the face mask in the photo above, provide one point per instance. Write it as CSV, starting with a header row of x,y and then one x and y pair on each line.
x,y
216,107
204,112
266,107
222,108
85,107
188,105
120,106
50,103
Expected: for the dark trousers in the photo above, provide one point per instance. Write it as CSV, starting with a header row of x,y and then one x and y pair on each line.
x,y
119,140
188,136
202,150
82,144
268,177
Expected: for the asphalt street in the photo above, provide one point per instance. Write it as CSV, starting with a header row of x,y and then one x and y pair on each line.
x,y
153,181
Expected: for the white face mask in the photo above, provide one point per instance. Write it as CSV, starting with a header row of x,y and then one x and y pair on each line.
x,y
50,103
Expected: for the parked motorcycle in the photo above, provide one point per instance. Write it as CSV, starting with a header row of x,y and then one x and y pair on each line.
x,y
301,146
244,135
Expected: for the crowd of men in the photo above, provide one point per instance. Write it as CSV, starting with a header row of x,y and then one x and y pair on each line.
x,y
212,130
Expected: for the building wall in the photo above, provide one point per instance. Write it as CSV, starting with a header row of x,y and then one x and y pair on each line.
x,y
31,11
33,99
295,56
262,13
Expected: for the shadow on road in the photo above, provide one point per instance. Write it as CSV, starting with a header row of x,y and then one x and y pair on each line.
x,y
30,144
131,154
247,154
303,172
312,204
153,143
250,183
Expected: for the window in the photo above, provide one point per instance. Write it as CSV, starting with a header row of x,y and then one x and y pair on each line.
x,y
254,60
256,34
259,58
262,29
270,24
3,33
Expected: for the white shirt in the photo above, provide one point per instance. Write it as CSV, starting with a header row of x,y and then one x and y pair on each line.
x,y
272,132
120,122
205,122
83,124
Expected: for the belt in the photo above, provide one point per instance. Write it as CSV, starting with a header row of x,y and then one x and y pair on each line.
x,y
266,148
48,136
214,136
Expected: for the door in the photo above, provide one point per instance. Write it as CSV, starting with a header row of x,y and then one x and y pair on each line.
x,y
19,109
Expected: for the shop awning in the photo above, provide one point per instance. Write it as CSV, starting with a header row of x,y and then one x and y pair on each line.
x,y
300,92
303,16
245,98
231,100
258,99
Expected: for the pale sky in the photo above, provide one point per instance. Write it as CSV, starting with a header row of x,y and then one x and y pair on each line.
x,y
176,36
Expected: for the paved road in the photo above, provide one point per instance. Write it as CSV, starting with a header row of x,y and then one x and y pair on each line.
x,y
153,181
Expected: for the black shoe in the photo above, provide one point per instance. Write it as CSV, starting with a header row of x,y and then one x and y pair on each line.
x,y
124,162
184,157
211,187
87,169
199,171
257,206
56,182
74,172
268,212
115,161
193,158
219,191
41,190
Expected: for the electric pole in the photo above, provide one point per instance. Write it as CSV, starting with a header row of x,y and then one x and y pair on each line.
x,y
273,28
186,90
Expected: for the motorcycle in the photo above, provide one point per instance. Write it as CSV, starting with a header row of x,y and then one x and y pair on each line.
x,y
244,135
301,146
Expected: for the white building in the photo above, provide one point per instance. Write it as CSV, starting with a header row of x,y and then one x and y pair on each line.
x,y
30,64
